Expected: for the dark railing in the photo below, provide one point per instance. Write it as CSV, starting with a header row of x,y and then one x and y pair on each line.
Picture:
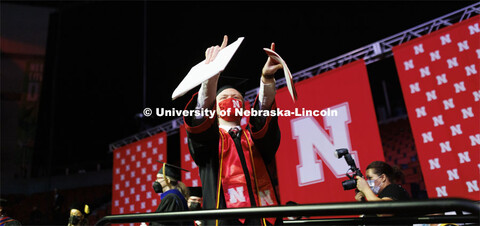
x,y
404,212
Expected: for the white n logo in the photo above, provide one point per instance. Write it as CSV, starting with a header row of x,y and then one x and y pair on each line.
x,y
452,62
418,49
470,70
435,55
475,139
459,87
463,157
467,112
448,104
472,185
415,87
408,64
312,139
473,29
462,46
431,95
445,146
265,198
421,111
441,191
424,72
434,164
453,174
437,120
476,95
427,137
445,39
456,130
236,103
236,194
441,79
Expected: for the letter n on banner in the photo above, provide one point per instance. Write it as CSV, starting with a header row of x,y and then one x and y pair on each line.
x,y
447,133
308,171
191,178
135,168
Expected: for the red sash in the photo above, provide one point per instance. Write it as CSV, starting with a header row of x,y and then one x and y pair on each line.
x,y
232,177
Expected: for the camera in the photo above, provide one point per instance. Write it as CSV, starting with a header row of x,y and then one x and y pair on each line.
x,y
351,183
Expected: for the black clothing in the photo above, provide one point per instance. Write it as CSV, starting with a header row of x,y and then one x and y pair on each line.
x,y
395,192
171,201
204,148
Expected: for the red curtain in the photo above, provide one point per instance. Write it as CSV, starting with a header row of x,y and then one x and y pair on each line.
x,y
135,169
441,88
192,178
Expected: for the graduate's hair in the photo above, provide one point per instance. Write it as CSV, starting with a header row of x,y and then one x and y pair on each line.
x,y
394,174
180,186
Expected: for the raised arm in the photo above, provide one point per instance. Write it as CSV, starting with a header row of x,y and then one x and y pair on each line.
x,y
266,93
206,94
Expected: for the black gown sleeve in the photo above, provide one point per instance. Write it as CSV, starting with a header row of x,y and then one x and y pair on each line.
x,y
203,144
202,135
265,133
170,203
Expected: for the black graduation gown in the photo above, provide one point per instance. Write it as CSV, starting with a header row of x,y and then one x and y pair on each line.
x,y
172,201
203,142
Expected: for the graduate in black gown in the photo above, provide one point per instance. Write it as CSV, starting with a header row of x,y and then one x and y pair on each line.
x,y
232,159
174,193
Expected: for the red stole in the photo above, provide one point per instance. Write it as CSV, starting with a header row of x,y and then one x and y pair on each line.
x,y
232,177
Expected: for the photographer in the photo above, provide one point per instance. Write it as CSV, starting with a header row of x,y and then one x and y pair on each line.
x,y
380,184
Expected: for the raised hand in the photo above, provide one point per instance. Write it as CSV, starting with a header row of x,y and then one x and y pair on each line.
x,y
362,184
271,66
212,52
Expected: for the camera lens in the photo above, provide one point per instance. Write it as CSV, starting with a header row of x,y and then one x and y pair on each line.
x,y
349,184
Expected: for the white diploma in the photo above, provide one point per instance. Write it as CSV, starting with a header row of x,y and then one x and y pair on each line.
x,y
201,72
286,71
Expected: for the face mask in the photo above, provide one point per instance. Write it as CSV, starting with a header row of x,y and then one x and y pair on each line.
x,y
232,104
195,206
371,184
74,220
157,187
375,189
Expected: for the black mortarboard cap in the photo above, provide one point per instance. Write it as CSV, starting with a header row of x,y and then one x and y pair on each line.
x,y
171,170
226,82
195,191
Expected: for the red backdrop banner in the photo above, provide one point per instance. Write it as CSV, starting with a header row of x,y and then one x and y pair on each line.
x,y
135,169
441,87
191,178
308,171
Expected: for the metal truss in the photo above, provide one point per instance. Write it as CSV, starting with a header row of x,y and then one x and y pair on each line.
x,y
370,53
